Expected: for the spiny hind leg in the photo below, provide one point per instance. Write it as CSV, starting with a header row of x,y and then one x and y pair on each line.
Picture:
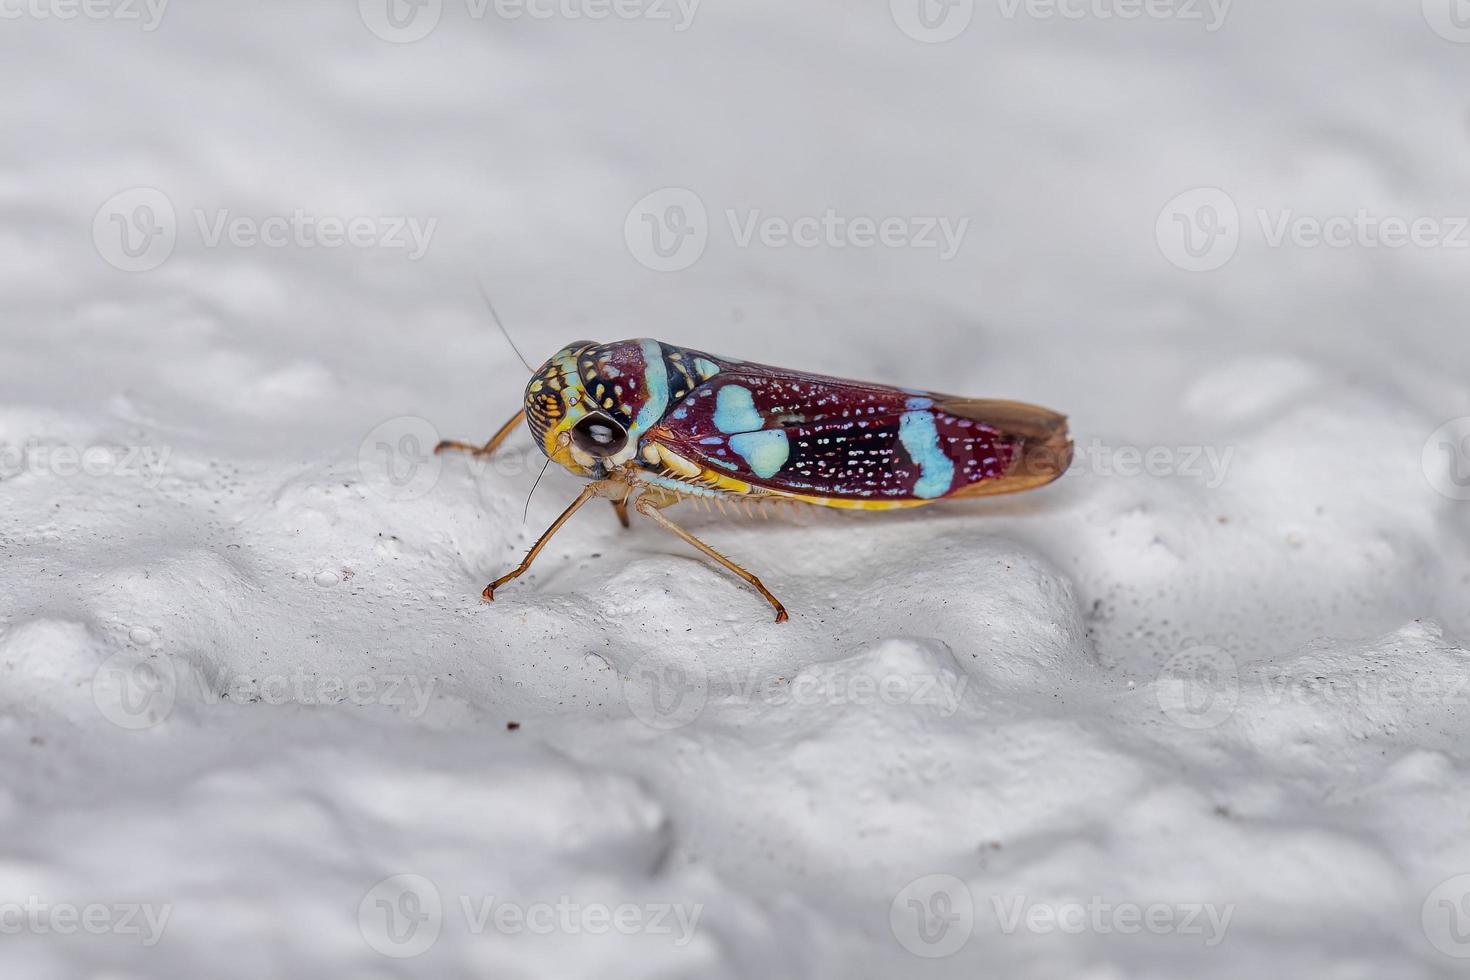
x,y
621,506
602,488
651,505
449,445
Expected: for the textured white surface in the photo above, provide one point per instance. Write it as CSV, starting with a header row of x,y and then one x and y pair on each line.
x,y
1237,684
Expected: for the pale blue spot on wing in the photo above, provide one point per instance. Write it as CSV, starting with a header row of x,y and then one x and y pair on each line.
x,y
919,436
656,381
707,369
735,410
766,452
921,403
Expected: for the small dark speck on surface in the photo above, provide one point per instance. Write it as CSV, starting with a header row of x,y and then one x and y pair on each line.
x,y
512,726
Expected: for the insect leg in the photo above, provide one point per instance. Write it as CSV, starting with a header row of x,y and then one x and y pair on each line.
x,y
590,491
621,506
489,447
649,505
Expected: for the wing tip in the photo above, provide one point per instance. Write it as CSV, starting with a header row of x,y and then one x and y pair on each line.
x,y
1044,452
1041,460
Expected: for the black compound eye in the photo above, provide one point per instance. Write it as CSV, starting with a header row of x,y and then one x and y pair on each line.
x,y
599,435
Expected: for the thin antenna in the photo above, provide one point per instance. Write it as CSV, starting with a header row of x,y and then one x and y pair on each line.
x,y
496,316
527,515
